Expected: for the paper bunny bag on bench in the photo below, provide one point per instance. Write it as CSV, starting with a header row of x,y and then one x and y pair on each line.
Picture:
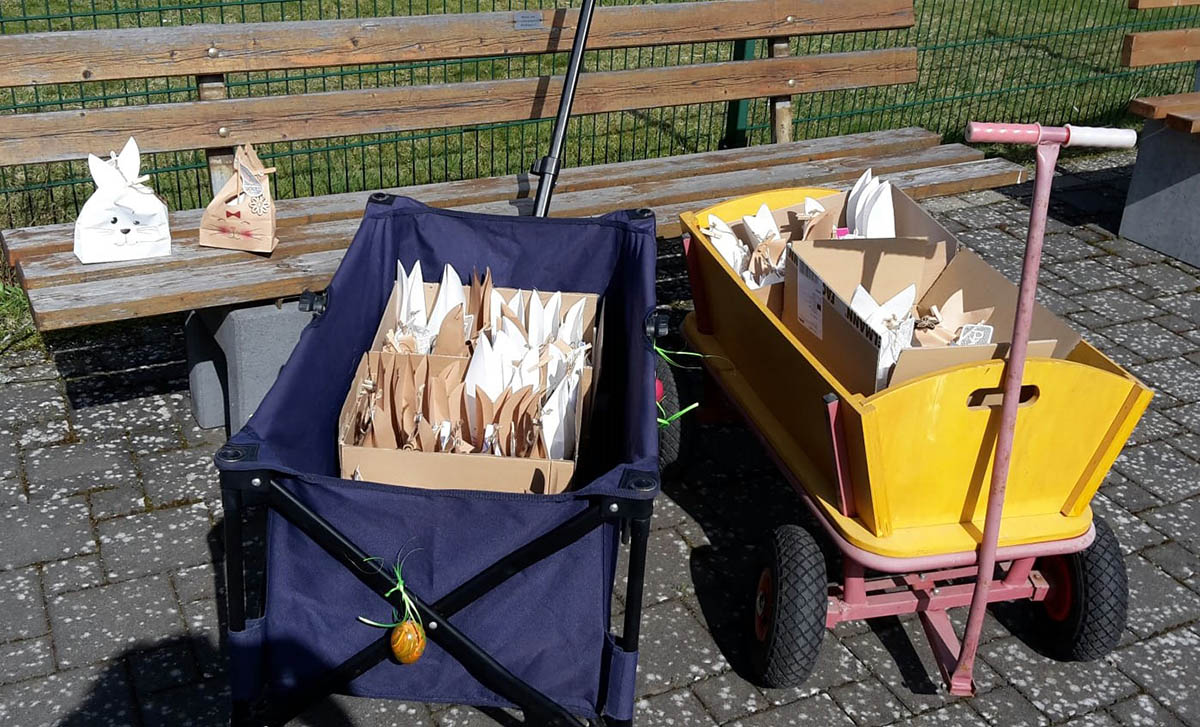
x,y
242,215
123,219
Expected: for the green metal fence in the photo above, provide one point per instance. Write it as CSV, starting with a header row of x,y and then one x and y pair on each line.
x,y
1037,60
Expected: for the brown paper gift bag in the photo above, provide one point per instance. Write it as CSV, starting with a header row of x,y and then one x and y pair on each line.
x,y
242,215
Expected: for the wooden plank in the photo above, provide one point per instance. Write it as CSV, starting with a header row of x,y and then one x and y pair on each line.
x,y
181,289
97,55
63,268
24,243
64,135
1151,4
220,161
1187,122
1157,107
1154,47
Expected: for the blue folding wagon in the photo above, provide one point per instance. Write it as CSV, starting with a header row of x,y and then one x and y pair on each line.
x,y
514,590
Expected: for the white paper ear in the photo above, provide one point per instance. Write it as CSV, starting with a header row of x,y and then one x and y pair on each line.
x,y
760,226
880,214
105,174
862,206
812,207
129,161
853,198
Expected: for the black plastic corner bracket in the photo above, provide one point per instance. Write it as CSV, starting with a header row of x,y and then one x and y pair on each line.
x,y
311,302
231,453
658,323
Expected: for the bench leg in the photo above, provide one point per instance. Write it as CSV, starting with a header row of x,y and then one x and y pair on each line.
x,y
248,347
1160,210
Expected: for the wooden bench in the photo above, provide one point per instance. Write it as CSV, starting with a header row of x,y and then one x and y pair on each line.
x,y
313,232
1160,209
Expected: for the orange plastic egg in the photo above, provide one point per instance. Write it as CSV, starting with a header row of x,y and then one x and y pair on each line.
x,y
408,642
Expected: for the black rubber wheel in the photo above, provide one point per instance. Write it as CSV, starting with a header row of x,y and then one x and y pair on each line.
x,y
789,608
1084,613
674,440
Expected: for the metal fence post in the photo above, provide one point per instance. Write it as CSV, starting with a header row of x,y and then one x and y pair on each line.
x,y
737,117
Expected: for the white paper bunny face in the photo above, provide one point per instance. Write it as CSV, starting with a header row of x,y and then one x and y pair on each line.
x,y
123,219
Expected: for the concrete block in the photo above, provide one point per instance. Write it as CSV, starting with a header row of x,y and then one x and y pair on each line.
x,y
204,380
1160,209
255,342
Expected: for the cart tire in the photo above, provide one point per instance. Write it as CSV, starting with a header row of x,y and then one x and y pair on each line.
x,y
1084,613
674,439
791,601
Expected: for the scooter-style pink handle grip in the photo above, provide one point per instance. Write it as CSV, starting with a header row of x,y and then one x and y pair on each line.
x,y
1068,135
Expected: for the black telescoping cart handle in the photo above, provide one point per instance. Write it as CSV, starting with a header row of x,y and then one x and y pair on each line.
x,y
547,168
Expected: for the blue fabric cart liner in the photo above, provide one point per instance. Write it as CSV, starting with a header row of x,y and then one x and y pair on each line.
x,y
548,624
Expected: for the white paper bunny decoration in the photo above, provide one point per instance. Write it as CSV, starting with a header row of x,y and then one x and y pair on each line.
x,y
123,219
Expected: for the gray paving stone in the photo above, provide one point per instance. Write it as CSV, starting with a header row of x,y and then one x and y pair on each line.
x,y
31,402
10,458
360,712
22,611
728,696
45,531
155,542
1157,601
668,568
1058,690
942,205
1162,665
1132,533
679,708
979,217
1118,306
20,660
1143,711
1098,718
1187,416
956,715
181,476
676,650
1089,321
100,623
1133,498
1154,425
1052,281
42,434
163,667
74,468
869,703
1092,234
983,197
1164,278
1178,377
194,705
818,711
97,697
1173,322
1057,302
899,654
107,504
72,574
1188,443
1175,560
1180,522
1160,468
1006,707
155,437
1184,305
115,420
195,583
458,716
1090,274
1069,246
1131,251
1150,340
205,629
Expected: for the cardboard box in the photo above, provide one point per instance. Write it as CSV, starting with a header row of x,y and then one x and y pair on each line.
x,y
822,273
590,311
453,471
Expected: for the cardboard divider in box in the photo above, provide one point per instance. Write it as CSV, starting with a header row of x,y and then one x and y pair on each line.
x,y
591,306
451,470
821,275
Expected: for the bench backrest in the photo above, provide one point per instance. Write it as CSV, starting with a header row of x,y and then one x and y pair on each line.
x,y
214,121
1179,111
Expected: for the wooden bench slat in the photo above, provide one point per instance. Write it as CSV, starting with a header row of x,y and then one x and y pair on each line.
x,y
1185,121
1157,107
1154,47
23,243
97,55
63,268
64,306
1151,4
65,135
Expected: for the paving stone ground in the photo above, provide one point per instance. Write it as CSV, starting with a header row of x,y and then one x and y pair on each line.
x,y
110,508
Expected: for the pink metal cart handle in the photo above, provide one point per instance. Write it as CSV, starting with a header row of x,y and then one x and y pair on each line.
x,y
1048,140
984,133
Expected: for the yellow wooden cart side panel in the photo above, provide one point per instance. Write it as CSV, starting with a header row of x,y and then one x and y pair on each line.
x,y
1119,433
935,455
734,209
